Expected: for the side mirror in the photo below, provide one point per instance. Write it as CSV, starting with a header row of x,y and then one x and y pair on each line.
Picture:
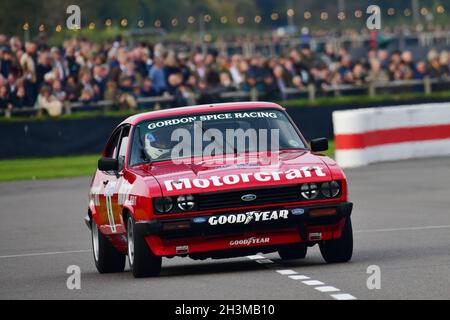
x,y
108,164
319,144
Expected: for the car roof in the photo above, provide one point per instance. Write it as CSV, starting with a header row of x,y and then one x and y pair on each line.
x,y
173,112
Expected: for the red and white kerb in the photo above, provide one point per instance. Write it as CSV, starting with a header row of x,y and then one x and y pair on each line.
x,y
365,136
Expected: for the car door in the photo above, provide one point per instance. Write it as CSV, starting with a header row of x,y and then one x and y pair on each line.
x,y
118,189
108,184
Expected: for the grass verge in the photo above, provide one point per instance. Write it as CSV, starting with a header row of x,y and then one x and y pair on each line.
x,y
61,167
47,168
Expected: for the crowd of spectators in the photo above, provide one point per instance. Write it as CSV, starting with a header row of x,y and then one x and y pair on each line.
x,y
33,74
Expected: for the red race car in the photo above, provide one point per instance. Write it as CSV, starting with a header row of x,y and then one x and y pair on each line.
x,y
215,181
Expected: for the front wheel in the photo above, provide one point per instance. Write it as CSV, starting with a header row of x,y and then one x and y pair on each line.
x,y
142,261
339,250
106,257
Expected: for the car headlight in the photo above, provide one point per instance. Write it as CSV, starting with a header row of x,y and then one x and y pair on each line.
x,y
309,191
330,189
163,205
186,203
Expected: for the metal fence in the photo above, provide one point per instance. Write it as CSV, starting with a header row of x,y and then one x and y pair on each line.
x,y
426,86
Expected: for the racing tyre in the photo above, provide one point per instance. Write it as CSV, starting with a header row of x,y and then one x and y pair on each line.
x,y
142,261
339,250
293,251
106,257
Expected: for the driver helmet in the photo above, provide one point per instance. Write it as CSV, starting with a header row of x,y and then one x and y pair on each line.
x,y
158,143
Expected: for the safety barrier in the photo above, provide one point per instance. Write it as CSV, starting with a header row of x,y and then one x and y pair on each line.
x,y
365,136
67,137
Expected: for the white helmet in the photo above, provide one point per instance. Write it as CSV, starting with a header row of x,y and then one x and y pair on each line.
x,y
154,149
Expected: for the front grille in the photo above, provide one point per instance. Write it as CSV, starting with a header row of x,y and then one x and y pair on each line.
x,y
233,199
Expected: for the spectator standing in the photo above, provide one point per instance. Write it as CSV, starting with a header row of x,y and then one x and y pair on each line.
x,y
59,64
48,103
19,99
28,65
5,102
147,89
158,77
6,63
376,74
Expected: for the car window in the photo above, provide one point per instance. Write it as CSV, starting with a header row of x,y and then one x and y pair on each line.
x,y
111,148
123,147
136,154
233,129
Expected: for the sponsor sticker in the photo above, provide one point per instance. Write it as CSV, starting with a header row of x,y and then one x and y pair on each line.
x,y
298,211
251,177
250,241
246,218
200,220
212,117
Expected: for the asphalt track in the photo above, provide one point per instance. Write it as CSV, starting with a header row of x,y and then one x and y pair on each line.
x,y
401,222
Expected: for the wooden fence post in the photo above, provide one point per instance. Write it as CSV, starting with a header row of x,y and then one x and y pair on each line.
x,y
254,94
311,92
67,107
427,85
372,89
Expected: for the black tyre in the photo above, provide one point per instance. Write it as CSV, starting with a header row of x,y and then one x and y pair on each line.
x,y
293,251
142,261
339,250
106,257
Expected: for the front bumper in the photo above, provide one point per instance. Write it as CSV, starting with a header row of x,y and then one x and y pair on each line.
x,y
299,217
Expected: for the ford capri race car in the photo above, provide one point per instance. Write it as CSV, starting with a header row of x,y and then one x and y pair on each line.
x,y
215,181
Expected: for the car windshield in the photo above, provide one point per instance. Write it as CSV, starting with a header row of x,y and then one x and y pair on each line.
x,y
212,134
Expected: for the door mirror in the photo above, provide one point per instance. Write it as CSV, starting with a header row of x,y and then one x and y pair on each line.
x,y
319,144
108,164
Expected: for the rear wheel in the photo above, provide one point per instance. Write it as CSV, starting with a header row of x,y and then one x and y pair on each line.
x,y
339,250
142,261
293,251
106,257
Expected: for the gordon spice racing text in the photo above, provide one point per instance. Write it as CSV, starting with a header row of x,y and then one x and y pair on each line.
x,y
147,204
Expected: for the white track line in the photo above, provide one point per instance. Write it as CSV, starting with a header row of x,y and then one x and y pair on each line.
x,y
256,257
286,272
403,229
327,289
293,275
42,254
299,277
313,283
343,296
264,261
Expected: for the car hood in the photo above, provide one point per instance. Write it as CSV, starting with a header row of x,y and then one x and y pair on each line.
x,y
292,167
